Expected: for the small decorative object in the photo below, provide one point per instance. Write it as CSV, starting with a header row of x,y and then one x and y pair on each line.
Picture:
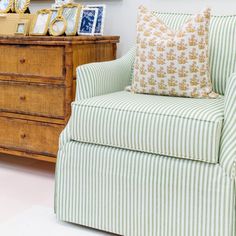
x,y
21,6
22,28
100,19
5,5
71,13
88,19
41,22
53,15
58,26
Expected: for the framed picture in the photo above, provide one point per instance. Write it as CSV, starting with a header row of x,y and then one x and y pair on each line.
x,y
22,28
5,5
21,5
99,28
40,22
88,19
57,26
71,13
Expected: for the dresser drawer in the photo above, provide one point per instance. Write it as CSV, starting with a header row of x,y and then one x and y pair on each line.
x,y
29,136
33,99
41,61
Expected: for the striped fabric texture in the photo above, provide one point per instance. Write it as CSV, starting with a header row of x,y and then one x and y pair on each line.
x,y
137,194
133,193
99,78
170,126
222,45
65,136
228,141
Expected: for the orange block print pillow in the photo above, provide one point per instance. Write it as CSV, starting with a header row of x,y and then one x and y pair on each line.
x,y
173,63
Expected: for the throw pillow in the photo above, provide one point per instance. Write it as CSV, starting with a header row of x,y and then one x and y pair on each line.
x,y
173,63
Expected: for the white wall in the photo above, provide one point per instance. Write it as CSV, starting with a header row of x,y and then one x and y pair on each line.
x,y
121,14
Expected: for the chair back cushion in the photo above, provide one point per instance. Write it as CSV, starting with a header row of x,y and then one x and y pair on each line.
x,y
222,45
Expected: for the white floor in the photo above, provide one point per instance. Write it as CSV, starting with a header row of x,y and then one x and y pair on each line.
x,y
26,200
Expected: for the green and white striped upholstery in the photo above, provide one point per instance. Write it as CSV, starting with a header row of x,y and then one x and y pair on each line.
x,y
135,193
139,194
228,140
99,78
222,45
178,127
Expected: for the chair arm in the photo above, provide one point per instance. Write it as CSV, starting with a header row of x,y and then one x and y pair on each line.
x,y
228,139
100,78
105,77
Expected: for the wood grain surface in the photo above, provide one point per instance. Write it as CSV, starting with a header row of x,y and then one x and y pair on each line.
x,y
37,86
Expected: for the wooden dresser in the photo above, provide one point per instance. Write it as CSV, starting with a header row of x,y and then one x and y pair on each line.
x,y
37,86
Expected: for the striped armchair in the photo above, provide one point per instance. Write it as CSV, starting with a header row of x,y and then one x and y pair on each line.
x,y
141,165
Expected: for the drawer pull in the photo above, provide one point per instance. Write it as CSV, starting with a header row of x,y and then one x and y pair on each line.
x,y
23,136
22,60
22,98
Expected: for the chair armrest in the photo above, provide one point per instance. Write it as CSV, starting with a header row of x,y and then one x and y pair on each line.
x,y
228,139
105,77
100,78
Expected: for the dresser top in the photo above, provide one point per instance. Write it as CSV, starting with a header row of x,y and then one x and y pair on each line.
x,y
57,40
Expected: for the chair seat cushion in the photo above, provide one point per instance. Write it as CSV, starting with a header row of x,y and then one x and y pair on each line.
x,y
178,127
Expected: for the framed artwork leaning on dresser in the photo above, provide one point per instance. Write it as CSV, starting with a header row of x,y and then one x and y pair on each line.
x,y
41,22
58,26
88,19
5,6
21,6
22,27
71,13
99,27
